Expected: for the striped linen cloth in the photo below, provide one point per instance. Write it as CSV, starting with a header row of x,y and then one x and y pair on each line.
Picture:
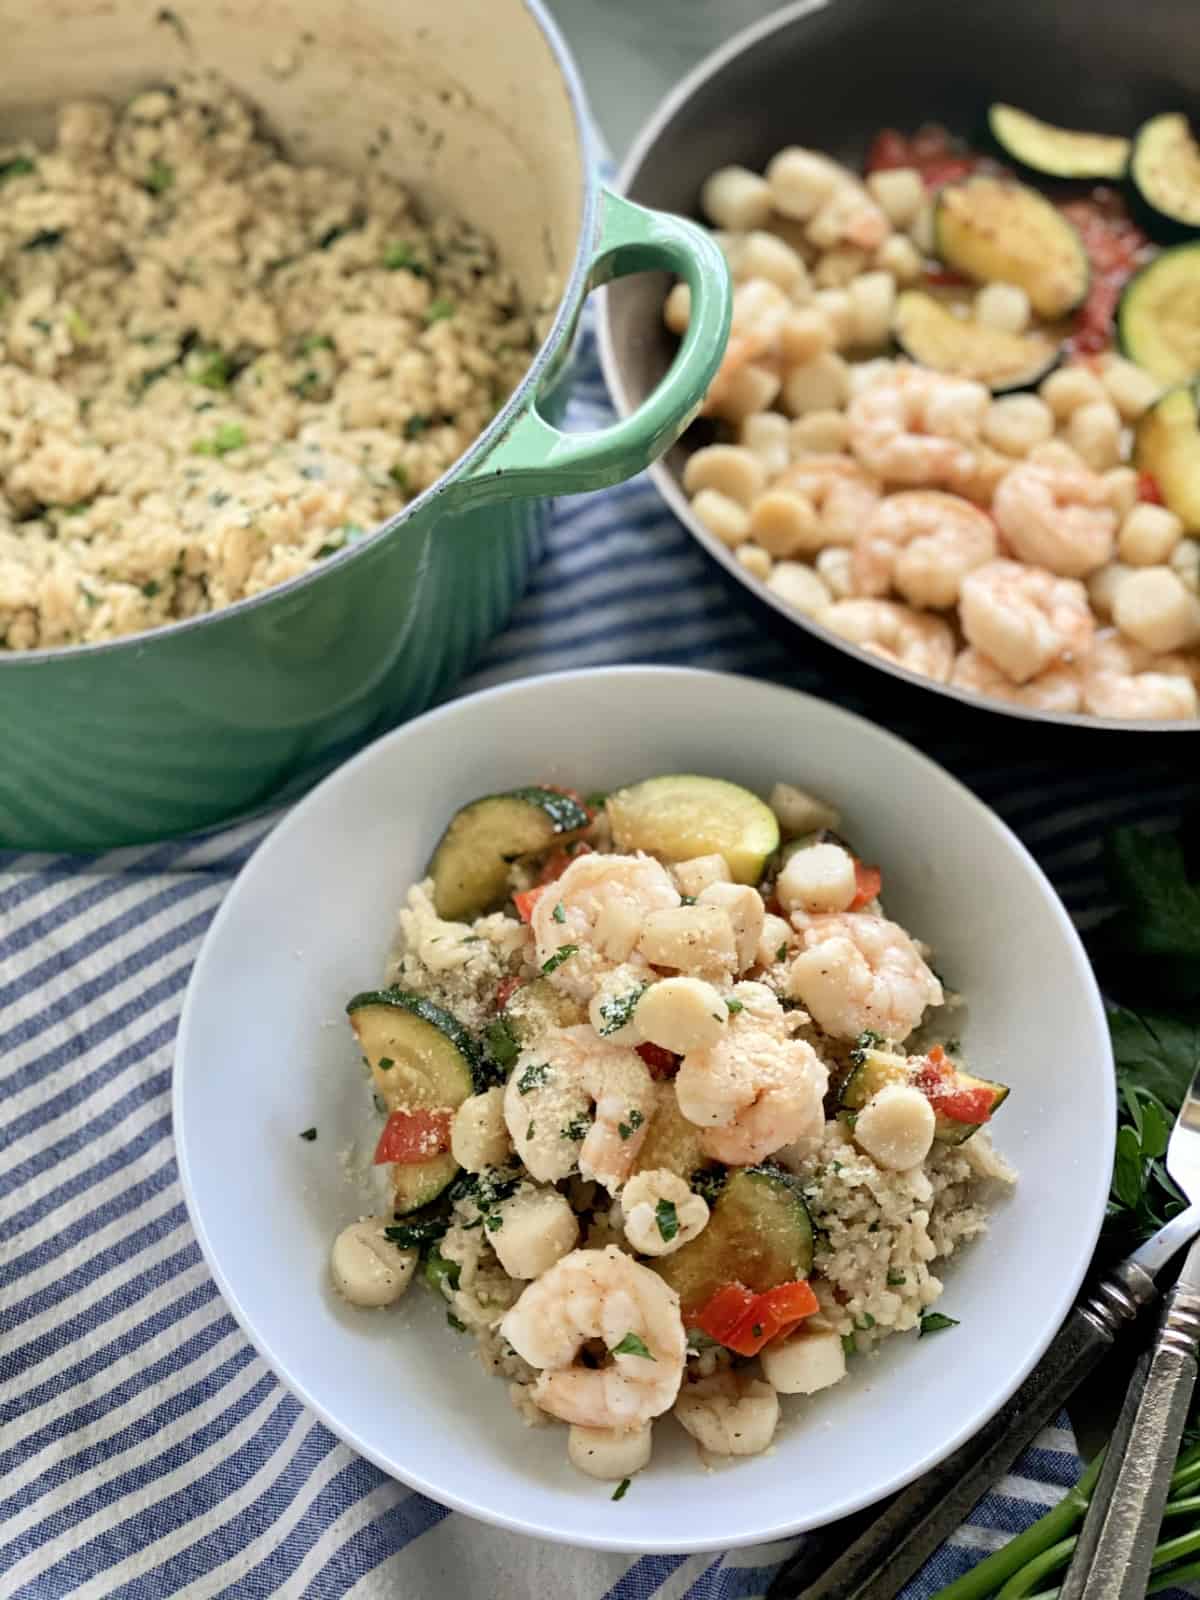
x,y
146,1451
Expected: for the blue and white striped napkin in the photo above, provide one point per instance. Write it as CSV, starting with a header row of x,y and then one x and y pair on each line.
x,y
146,1451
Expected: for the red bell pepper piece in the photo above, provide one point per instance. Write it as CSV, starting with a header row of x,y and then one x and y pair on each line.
x,y
936,1082
505,990
889,148
526,899
662,1063
724,1311
868,881
557,862
412,1136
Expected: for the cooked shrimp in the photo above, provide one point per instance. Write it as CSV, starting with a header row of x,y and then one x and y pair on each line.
x,y
757,1088
1056,517
553,1087
923,644
1122,679
598,906
1058,688
917,427
604,1295
842,497
730,1413
923,544
859,972
1024,618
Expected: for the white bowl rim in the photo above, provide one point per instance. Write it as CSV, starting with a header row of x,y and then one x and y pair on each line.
x,y
444,1495
671,490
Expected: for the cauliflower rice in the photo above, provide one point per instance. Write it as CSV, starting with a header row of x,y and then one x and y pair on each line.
x,y
218,367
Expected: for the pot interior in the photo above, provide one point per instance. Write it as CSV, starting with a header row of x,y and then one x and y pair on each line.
x,y
465,102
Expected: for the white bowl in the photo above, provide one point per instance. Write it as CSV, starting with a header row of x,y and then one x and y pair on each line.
x,y
264,1052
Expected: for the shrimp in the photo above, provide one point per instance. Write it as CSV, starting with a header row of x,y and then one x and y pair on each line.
x,y
895,633
757,1088
859,973
1024,618
923,544
598,907
729,1414
849,217
841,496
742,349
555,1084
1058,688
1056,517
603,1295
918,427
1123,679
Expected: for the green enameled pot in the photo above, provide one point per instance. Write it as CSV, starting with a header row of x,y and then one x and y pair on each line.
x,y
212,718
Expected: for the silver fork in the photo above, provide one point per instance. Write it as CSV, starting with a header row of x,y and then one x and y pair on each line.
x,y
1116,1542
901,1537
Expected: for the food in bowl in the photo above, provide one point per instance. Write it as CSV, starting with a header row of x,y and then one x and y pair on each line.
x,y
946,426
219,366
666,1121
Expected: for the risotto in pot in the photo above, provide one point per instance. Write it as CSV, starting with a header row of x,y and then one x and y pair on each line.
x,y
218,367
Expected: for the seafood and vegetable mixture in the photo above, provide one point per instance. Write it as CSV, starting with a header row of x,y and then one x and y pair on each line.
x,y
219,367
664,1123
957,421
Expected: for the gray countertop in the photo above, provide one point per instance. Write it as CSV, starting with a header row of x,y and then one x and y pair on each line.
x,y
631,52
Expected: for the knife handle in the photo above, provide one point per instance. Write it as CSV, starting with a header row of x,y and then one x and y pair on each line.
x,y
878,1564
1120,1564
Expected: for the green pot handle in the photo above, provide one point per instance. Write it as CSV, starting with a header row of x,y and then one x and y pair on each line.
x,y
534,457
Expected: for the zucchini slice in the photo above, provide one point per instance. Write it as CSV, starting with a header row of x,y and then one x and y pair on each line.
x,y
1158,315
470,865
419,1056
1164,168
1057,152
1166,444
930,333
997,231
672,1141
759,1234
537,1006
876,1068
676,818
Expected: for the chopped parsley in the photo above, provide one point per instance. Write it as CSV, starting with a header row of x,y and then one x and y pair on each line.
x,y
45,239
563,953
160,177
150,588
618,1011
399,475
400,258
502,1042
77,326
631,1345
596,800
493,1222
414,1233
558,913
866,1321
385,1063
209,368
667,1218
734,1006
18,167
315,341
529,1132
635,1121
228,436
934,1322
848,1345
439,310
456,1323
781,953
533,1076
575,1130
415,426
687,899
440,1274
310,1134
895,1279
621,1490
